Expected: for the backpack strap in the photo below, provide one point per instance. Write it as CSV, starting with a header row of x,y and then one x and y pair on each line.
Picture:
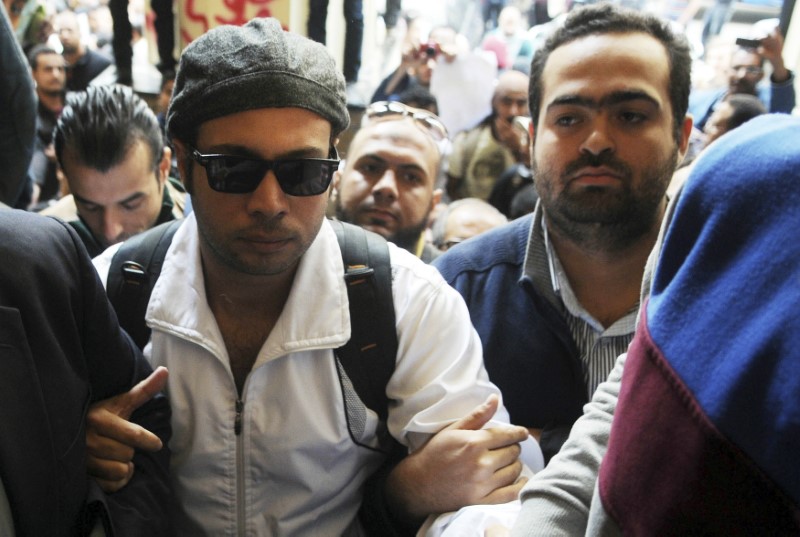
x,y
370,355
134,270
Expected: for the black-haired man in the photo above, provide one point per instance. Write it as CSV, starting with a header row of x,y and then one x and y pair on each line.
x,y
554,295
110,148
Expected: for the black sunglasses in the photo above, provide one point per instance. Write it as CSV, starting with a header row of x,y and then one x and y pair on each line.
x,y
240,175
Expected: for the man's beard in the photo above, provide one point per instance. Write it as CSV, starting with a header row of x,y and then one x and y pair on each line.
x,y
406,238
52,92
601,218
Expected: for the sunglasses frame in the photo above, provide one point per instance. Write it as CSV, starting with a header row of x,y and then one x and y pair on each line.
x,y
430,122
220,184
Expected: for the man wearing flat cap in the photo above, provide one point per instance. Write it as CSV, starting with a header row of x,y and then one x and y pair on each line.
x,y
251,304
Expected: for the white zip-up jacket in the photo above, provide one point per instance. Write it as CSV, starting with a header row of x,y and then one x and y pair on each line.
x,y
293,468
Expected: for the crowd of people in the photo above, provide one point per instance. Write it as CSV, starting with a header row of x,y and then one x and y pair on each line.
x,y
575,313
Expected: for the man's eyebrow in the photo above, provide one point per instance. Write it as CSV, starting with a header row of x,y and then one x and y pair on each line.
x,y
83,200
402,165
132,197
614,98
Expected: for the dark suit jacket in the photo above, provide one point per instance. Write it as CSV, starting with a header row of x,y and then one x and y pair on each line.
x,y
61,349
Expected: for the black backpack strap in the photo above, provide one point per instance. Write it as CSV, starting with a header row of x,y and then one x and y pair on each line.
x,y
369,357
134,270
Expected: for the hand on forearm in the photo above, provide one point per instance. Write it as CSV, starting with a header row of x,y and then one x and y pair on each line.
x,y
111,440
461,465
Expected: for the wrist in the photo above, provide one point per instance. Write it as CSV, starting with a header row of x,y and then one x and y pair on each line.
x,y
780,74
401,496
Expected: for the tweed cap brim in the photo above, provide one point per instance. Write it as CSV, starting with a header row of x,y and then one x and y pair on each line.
x,y
232,69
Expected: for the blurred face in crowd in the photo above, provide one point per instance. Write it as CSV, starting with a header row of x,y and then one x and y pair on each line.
x,y
717,124
50,73
745,71
511,95
122,201
443,38
165,95
69,32
469,221
604,146
387,184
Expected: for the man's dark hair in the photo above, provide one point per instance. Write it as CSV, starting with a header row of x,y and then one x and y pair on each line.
x,y
38,50
418,96
745,107
101,124
609,19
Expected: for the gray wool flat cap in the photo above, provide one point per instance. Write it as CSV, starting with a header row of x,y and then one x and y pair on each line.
x,y
232,69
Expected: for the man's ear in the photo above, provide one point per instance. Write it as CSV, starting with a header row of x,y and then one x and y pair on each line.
x,y
686,132
437,197
334,190
164,165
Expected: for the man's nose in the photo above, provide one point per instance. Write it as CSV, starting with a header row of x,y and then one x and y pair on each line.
x,y
599,139
386,186
268,198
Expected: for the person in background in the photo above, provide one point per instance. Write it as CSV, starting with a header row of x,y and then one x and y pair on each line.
x,y
353,37
387,184
464,219
512,33
48,69
418,63
481,154
729,114
83,64
109,146
745,75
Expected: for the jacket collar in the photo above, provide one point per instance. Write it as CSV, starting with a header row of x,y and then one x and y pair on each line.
x,y
316,314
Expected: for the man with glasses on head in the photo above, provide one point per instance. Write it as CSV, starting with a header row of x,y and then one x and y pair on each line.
x,y
387,184
110,149
744,76
251,305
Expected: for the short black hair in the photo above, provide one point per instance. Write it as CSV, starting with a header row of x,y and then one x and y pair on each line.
x,y
418,96
599,19
38,50
101,124
745,107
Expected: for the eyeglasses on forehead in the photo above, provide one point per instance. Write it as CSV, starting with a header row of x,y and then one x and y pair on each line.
x,y
428,121
234,174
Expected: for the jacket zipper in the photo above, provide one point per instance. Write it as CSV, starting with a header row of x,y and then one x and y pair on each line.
x,y
240,493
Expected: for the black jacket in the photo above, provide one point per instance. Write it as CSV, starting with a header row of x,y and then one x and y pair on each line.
x,y
61,349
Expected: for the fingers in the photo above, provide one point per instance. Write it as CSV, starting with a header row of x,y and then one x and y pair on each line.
x,y
507,475
107,448
109,471
479,416
505,494
128,402
498,437
113,485
102,423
